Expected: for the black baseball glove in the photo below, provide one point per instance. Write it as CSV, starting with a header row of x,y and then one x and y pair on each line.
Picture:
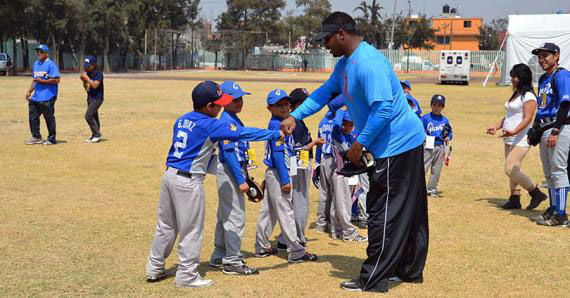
x,y
351,169
255,192
317,176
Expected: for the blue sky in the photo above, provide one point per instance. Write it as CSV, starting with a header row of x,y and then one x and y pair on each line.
x,y
487,9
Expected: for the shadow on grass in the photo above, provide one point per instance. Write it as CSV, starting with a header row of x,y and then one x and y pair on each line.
x,y
497,202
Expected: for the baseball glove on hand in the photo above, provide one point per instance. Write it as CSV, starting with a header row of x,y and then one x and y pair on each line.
x,y
255,192
351,169
316,176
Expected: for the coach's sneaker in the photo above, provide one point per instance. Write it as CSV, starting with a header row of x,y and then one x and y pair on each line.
x,y
352,285
546,215
156,277
239,270
537,197
305,258
356,239
34,141
554,220
514,202
199,283
265,254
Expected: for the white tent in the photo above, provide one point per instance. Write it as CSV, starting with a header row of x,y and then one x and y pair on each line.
x,y
527,32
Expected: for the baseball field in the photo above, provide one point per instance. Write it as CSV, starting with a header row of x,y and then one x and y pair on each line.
x,y
78,219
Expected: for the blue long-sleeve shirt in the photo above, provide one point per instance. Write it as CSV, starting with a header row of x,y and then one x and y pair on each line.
x,y
415,104
233,153
375,100
277,153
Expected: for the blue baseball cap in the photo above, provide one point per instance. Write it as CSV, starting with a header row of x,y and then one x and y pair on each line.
x,y
232,88
548,47
407,84
276,95
440,99
210,92
89,60
346,116
42,48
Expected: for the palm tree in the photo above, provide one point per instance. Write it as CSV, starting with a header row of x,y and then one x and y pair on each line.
x,y
371,18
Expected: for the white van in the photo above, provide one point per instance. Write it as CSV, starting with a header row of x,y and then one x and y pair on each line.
x,y
454,67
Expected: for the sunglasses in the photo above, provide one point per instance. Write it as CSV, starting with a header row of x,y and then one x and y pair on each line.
x,y
40,52
330,36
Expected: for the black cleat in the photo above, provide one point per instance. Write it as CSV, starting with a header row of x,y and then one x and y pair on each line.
x,y
239,270
351,285
306,257
156,277
554,220
281,246
265,254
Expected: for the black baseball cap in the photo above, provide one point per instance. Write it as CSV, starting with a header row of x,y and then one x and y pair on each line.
x,y
210,92
438,98
298,95
328,28
547,46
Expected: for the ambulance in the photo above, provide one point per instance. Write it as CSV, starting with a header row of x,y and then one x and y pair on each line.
x,y
454,67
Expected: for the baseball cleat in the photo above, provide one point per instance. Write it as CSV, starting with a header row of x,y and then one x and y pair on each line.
x,y
199,283
281,246
156,277
357,239
554,220
306,257
265,254
239,270
217,263
34,141
546,215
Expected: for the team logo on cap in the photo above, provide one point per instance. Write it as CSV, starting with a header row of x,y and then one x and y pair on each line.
x,y
233,127
86,60
236,87
305,90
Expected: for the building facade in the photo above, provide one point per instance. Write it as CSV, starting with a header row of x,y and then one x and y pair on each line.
x,y
456,33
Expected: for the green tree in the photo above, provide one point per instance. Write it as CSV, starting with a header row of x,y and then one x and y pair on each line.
x,y
369,24
489,34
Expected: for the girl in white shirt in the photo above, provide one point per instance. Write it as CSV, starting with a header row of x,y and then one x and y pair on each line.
x,y
520,109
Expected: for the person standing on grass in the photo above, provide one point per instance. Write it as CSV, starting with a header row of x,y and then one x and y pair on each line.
x,y
44,86
93,83
397,201
520,109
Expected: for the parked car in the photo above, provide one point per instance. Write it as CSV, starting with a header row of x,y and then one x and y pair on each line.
x,y
5,63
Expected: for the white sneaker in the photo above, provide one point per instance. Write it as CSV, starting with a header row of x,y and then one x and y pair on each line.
x,y
47,142
95,140
34,141
199,283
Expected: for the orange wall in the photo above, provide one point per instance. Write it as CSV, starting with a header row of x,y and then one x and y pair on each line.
x,y
463,38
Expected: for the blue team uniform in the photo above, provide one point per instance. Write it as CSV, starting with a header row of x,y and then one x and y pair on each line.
x,y
374,98
547,105
416,105
277,153
330,130
195,136
45,70
234,153
434,125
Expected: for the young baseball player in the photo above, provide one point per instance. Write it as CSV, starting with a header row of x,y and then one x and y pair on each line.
x,y
359,191
335,200
181,205
231,184
439,135
281,163
552,116
93,83
414,103
300,183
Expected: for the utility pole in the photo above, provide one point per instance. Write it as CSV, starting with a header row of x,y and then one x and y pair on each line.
x,y
391,43
409,34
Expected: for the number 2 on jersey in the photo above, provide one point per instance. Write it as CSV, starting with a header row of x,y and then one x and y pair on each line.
x,y
180,144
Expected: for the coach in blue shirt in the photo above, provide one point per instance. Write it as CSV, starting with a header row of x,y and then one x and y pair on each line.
x,y
389,129
42,102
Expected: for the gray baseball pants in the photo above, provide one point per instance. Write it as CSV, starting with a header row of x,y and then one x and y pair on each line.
x,y
433,159
555,159
334,192
277,206
230,218
300,197
365,187
180,213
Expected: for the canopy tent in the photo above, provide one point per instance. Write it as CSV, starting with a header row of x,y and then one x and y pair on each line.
x,y
527,32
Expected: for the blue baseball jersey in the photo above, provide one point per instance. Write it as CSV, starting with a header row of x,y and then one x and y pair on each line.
x,y
375,100
240,147
44,70
547,104
415,105
278,153
435,125
195,137
348,139
329,130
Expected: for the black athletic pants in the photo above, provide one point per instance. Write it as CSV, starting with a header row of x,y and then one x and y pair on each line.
x,y
92,116
46,108
398,221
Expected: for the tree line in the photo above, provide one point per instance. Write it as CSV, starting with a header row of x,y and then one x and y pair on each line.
x,y
127,27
